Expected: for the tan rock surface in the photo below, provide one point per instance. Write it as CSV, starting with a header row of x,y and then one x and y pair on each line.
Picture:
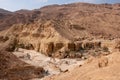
x,y
91,71
66,24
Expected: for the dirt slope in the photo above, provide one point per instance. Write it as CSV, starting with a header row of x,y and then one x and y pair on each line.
x,y
11,68
62,31
77,19
59,28
91,70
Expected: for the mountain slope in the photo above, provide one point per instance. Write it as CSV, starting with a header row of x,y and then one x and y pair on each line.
x,y
63,27
4,11
11,68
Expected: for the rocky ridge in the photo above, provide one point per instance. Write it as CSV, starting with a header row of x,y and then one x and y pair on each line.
x,y
59,29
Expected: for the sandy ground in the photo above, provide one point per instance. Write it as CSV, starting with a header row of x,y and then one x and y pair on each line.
x,y
92,71
51,65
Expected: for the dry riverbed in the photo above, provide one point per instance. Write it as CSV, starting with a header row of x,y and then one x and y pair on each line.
x,y
52,66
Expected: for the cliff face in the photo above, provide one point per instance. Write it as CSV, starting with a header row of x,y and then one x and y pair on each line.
x,y
61,28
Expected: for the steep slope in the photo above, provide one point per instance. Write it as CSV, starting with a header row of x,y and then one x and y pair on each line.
x,y
11,68
63,28
23,17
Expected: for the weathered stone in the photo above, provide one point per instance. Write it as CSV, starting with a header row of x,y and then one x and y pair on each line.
x,y
71,46
37,47
47,48
58,46
78,46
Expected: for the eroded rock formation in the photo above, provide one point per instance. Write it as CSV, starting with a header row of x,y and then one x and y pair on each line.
x,y
68,28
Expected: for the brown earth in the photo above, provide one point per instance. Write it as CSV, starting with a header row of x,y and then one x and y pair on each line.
x,y
109,70
61,28
11,68
63,31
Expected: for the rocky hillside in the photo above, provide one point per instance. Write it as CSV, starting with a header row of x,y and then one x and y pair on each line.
x,y
11,68
61,29
100,68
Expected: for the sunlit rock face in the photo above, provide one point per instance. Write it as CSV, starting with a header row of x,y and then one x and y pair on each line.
x,y
61,29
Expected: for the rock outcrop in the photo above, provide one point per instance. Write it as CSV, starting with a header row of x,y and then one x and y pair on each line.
x,y
68,28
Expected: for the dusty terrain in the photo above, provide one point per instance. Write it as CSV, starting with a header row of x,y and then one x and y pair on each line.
x,y
92,71
11,68
67,28
78,41
53,66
